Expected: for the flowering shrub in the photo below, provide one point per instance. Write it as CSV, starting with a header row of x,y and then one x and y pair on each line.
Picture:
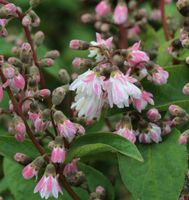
x,y
113,127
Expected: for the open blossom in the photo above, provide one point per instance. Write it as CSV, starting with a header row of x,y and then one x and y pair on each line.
x,y
120,13
71,168
89,94
159,76
137,56
141,103
119,88
58,154
67,129
95,51
40,125
127,133
48,185
102,8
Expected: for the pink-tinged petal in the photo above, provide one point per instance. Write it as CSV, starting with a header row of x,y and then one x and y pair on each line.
x,y
39,185
49,183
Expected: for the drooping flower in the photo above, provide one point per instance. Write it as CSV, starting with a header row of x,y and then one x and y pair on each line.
x,y
137,56
127,133
89,94
58,154
119,88
120,13
67,129
159,76
142,102
71,168
48,185
153,115
102,8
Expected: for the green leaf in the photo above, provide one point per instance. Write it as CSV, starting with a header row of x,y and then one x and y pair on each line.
x,y
9,146
3,185
23,189
101,142
96,178
171,93
161,176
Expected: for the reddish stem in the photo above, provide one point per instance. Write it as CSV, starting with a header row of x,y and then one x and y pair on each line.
x,y
123,44
163,17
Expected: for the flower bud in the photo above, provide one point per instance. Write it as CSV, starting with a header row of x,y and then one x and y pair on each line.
x,y
183,139
46,62
39,38
35,20
183,7
33,168
45,116
64,76
103,8
25,53
34,3
176,110
44,93
58,116
3,30
15,61
185,89
8,10
59,94
52,54
87,18
26,21
78,62
153,115
120,13
18,82
8,70
79,45
22,158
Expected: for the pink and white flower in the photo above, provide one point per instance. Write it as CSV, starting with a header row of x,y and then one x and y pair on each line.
x,y
20,130
153,115
95,51
141,103
120,13
119,88
71,168
48,186
102,8
127,133
58,154
17,82
159,76
67,129
137,56
89,94
40,125
29,171
155,133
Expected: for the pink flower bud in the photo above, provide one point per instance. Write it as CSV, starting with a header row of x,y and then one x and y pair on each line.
x,y
71,168
29,172
20,157
10,9
58,155
18,82
20,137
26,21
100,189
183,139
20,128
153,115
75,44
176,110
77,62
3,30
1,93
185,89
46,62
8,71
45,93
144,138
102,8
120,13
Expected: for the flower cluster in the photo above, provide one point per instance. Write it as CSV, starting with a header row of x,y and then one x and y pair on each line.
x,y
114,77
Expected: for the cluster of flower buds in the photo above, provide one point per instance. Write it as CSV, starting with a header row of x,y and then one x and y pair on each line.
x,y
113,78
99,194
149,127
73,175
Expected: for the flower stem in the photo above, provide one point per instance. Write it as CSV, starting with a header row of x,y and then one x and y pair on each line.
x,y
123,44
163,17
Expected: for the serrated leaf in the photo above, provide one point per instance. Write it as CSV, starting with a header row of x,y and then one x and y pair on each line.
x,y
96,178
161,176
103,142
